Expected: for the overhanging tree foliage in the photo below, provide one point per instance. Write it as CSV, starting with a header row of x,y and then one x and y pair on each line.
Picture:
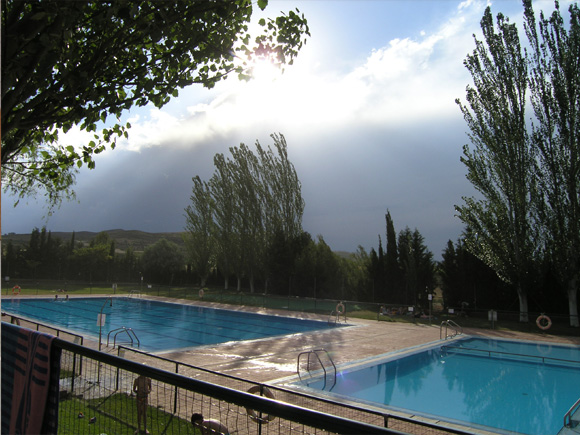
x,y
80,63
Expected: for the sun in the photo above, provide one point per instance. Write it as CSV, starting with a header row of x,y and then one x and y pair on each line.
x,y
263,70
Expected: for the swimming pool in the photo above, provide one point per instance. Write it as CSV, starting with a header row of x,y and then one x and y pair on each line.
x,y
499,385
159,326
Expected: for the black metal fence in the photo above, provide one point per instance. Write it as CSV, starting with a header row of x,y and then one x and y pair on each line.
x,y
97,395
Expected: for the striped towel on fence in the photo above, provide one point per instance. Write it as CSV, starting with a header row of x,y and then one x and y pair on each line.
x,y
30,381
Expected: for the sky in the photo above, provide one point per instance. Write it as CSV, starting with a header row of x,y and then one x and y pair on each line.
x,y
368,111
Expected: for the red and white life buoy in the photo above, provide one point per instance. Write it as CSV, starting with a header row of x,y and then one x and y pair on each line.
x,y
340,308
16,290
266,418
201,294
544,322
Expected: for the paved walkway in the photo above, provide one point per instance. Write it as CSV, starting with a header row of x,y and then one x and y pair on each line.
x,y
269,359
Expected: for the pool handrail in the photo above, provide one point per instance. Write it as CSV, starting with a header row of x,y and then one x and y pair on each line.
x,y
490,352
118,331
458,330
315,352
568,415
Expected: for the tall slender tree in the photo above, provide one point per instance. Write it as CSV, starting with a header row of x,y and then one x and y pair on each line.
x,y
228,249
392,269
502,230
256,202
199,236
555,96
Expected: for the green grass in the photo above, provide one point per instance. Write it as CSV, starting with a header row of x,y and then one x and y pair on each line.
x,y
116,414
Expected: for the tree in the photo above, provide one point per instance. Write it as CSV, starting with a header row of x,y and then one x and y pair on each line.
x,y
392,269
199,235
555,96
416,263
162,260
249,220
256,201
502,231
465,278
228,250
78,63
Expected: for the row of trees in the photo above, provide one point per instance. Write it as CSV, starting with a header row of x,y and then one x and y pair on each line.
x,y
528,173
403,273
48,257
251,206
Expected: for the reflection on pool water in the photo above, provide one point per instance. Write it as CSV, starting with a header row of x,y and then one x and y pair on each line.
x,y
515,386
159,326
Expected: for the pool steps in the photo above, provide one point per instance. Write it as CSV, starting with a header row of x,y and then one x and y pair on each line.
x,y
308,369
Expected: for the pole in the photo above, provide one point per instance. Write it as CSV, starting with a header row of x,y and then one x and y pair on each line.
x,y
101,318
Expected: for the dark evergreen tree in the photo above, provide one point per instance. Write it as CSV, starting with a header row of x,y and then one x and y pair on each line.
x,y
392,269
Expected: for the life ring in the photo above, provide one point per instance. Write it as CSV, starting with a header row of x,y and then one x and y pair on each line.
x,y
544,322
201,293
340,308
267,393
16,290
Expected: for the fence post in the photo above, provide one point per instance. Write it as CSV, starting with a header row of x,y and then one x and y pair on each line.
x,y
176,389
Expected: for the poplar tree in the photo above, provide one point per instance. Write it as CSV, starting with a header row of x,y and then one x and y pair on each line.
x,y
227,245
502,231
555,96
256,202
199,237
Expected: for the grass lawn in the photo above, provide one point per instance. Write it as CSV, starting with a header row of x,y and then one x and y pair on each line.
x,y
116,414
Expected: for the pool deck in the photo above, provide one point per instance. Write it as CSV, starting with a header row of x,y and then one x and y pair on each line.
x,y
271,359
267,360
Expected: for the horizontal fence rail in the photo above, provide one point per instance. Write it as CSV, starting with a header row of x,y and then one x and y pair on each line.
x,y
109,374
97,380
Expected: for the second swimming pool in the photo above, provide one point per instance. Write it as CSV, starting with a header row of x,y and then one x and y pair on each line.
x,y
159,326
499,385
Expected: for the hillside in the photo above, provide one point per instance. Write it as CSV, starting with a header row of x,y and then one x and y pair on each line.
x,y
138,240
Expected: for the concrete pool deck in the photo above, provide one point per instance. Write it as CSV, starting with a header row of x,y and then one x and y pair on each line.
x,y
271,359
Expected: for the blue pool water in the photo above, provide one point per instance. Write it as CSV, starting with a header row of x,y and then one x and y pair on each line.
x,y
159,326
474,381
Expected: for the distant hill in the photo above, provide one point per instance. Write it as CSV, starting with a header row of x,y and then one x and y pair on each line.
x,y
138,240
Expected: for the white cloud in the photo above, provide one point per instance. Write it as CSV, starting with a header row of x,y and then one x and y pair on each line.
x,y
401,82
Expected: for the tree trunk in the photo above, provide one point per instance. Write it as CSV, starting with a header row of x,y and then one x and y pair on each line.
x,y
573,301
226,283
251,282
523,297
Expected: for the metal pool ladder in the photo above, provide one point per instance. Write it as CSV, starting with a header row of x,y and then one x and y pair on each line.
x,y
317,364
569,421
130,333
449,324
